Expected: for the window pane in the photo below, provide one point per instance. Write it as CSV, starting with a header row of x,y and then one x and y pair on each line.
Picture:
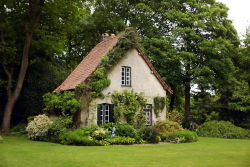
x,y
125,78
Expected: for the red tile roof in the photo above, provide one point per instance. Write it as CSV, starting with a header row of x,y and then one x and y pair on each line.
x,y
90,63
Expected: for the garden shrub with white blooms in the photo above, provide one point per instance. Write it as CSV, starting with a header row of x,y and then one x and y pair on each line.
x,y
38,128
99,134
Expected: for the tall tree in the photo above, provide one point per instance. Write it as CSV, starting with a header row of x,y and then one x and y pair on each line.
x,y
205,41
29,15
22,23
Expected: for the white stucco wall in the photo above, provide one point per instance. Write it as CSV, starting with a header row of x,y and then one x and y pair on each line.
x,y
142,80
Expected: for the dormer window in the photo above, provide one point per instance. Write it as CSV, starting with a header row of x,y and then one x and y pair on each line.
x,y
126,76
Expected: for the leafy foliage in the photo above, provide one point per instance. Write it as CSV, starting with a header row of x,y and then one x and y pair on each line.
x,y
159,105
39,127
125,130
59,126
129,105
64,103
175,116
222,129
120,140
77,137
149,134
184,136
1,139
166,128
99,134
18,129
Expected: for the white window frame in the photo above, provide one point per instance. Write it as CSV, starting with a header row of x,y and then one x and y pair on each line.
x,y
105,112
126,76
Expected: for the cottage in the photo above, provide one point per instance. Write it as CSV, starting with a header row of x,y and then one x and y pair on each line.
x,y
133,72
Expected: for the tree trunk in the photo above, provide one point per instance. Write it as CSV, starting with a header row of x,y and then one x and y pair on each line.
x,y
7,113
13,96
187,104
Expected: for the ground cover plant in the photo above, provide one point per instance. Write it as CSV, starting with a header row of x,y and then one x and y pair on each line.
x,y
207,152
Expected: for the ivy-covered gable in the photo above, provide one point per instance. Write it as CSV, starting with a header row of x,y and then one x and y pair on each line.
x,y
93,75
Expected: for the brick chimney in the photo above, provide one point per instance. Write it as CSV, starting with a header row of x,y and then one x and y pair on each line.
x,y
106,36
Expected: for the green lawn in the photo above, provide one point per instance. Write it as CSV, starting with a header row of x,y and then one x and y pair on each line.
x,y
20,152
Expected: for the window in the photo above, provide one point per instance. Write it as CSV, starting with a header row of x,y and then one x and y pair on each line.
x,y
105,113
126,76
148,113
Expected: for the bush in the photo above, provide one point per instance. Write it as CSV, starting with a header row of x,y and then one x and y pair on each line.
x,y
59,126
18,129
38,128
175,116
184,136
99,134
1,139
108,126
126,131
61,103
77,137
149,134
222,129
166,128
120,140
88,130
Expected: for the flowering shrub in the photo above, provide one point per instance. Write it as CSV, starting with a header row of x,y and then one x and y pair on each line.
x,y
38,128
99,134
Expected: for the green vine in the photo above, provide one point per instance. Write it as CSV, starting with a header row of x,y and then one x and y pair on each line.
x,y
159,105
129,105
98,81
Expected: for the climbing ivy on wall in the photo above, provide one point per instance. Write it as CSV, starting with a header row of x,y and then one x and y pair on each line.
x,y
98,81
159,104
129,106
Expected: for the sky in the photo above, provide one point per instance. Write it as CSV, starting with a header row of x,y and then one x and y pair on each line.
x,y
239,13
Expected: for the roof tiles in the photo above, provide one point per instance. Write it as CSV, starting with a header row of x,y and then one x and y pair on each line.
x,y
90,63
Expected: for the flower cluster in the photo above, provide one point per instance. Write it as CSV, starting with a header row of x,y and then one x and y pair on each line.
x,y
39,127
99,133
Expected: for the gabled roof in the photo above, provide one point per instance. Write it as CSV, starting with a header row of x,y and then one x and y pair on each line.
x,y
88,65
91,62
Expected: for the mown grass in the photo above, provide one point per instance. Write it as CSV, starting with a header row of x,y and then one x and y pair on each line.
x,y
208,152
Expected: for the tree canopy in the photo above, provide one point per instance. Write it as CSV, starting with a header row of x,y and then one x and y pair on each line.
x,y
192,44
